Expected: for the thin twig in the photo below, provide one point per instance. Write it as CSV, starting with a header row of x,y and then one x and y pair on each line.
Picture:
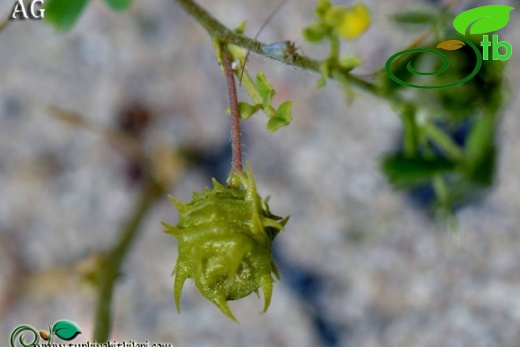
x,y
112,262
224,34
236,132
4,23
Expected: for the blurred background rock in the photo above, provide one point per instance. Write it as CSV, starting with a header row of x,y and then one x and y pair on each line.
x,y
360,264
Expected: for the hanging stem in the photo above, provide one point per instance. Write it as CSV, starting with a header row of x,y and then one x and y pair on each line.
x,y
236,131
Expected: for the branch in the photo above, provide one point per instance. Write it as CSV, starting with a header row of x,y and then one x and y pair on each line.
x,y
112,262
224,34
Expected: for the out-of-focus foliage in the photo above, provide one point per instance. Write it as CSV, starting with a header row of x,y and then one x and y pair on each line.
x,y
63,14
449,135
349,22
335,23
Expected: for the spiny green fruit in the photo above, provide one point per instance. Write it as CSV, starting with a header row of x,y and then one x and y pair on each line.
x,y
224,241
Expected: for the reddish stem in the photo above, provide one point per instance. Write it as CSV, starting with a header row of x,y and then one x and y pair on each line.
x,y
236,132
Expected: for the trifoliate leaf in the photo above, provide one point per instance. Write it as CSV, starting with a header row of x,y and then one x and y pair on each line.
x,y
284,111
246,110
315,32
276,123
63,14
264,88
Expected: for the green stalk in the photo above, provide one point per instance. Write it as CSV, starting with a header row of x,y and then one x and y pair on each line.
x,y
109,272
250,87
410,132
438,137
334,48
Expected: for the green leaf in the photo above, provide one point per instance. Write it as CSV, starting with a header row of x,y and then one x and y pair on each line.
x,y
246,110
66,330
276,123
284,111
119,5
63,14
483,19
322,8
480,150
403,171
264,88
349,62
241,28
321,82
314,33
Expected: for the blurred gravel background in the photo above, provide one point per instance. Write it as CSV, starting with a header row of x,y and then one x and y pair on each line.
x,y
361,266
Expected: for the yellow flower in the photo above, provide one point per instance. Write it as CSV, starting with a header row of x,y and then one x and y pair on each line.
x,y
354,21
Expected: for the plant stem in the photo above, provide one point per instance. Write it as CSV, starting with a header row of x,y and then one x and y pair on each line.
x,y
445,143
334,48
410,132
236,132
250,87
112,262
4,23
224,34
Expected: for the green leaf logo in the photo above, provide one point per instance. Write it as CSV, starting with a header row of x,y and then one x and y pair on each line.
x,y
66,330
482,20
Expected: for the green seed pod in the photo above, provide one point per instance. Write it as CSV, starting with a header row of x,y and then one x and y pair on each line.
x,y
225,237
